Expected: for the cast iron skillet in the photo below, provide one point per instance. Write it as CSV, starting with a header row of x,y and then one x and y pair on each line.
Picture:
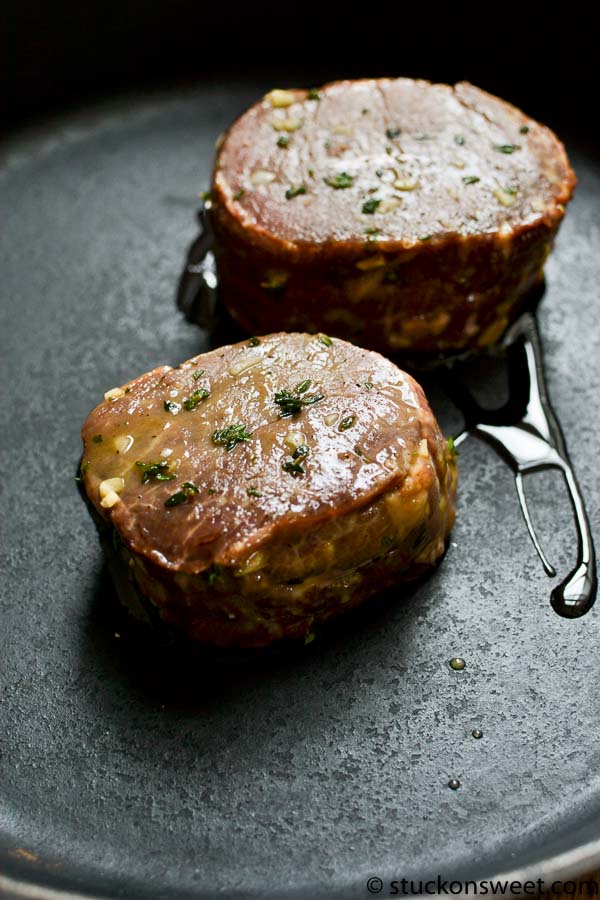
x,y
133,767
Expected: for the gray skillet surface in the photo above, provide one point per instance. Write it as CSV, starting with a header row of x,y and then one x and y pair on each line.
x,y
133,767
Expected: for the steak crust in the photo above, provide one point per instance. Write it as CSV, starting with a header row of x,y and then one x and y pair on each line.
x,y
400,214
265,486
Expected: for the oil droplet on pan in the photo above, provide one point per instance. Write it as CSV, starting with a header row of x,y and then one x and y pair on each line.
x,y
457,663
454,784
477,733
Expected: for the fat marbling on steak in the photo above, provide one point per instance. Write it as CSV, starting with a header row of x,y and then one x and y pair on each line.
x,y
400,214
265,486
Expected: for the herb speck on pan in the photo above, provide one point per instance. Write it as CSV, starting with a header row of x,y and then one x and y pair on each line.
x,y
295,191
291,402
195,399
295,469
471,179
392,133
340,181
231,436
186,490
157,471
171,406
346,423
506,148
370,206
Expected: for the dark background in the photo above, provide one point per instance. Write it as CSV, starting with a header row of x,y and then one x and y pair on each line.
x,y
62,54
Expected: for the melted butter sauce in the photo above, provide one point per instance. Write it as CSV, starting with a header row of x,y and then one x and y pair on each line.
x,y
525,431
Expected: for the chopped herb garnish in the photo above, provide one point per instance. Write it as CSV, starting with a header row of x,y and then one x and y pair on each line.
x,y
459,139
392,133
194,400
510,189
326,341
97,439
171,406
379,172
426,237
340,181
524,129
295,191
197,375
422,137
214,574
283,140
300,452
274,281
370,206
253,342
205,195
313,94
291,402
372,234
391,277
85,467
231,436
311,173
369,385
159,471
239,194
127,391
471,179
506,148
346,423
358,451
387,540
211,491
186,490
293,468
365,111
253,492
451,447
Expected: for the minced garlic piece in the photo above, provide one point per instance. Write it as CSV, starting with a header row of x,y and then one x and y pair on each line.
x,y
388,205
371,262
123,442
246,360
406,183
262,177
506,198
254,562
114,393
280,99
293,440
289,124
109,490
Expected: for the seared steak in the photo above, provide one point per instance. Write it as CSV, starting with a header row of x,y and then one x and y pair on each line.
x,y
399,214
